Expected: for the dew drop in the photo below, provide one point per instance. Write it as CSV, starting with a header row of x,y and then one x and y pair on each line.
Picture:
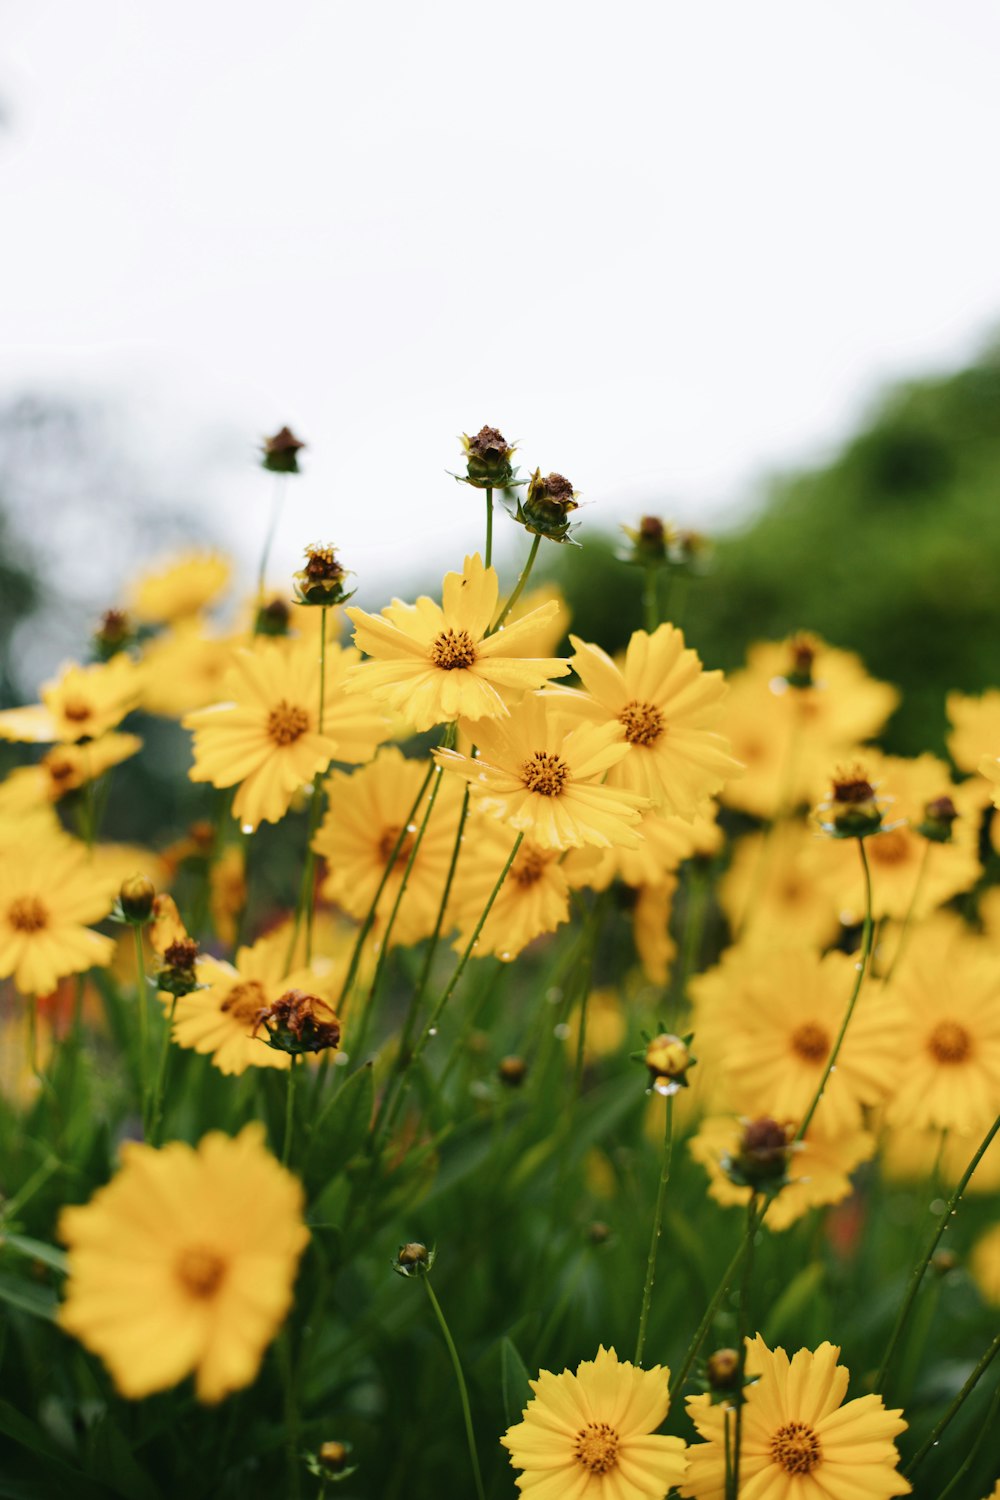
x,y
833,1069
554,995
666,1087
246,828
433,1031
859,966
411,827
341,1060
938,1206
505,958
778,685
561,1031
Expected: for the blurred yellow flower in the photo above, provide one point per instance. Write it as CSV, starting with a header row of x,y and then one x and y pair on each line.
x,y
436,663
227,892
184,1263
545,779
534,899
771,893
594,1433
651,928
984,1263
185,668
907,1155
63,769
181,587
975,728
49,894
550,633
799,1441
666,842
669,709
990,768
81,703
606,1026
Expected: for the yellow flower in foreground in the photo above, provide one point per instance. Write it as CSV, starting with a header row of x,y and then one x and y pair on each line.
x,y
975,727
49,893
799,1442
819,1168
435,663
545,779
182,587
534,899
669,709
184,1263
594,1434
81,703
266,739
64,768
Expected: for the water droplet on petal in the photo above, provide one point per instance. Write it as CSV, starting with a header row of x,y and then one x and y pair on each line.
x,y
246,828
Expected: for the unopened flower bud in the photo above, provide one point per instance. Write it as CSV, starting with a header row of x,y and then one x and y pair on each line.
x,y
136,899
176,975
321,581
598,1233
723,1369
938,821
512,1071
280,454
333,1456
488,457
298,1022
649,542
803,653
853,810
113,634
761,1160
668,1059
272,618
413,1259
547,506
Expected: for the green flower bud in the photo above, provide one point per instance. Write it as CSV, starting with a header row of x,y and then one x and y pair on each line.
x,y
280,454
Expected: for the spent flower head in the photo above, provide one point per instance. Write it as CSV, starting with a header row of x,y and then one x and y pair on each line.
x,y
939,819
853,810
546,508
321,581
280,453
761,1162
298,1022
113,634
488,461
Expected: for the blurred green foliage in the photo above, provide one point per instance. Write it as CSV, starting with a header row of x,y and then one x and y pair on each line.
x,y
890,550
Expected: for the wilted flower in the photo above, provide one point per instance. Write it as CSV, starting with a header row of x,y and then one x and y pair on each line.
x,y
280,453
321,581
488,456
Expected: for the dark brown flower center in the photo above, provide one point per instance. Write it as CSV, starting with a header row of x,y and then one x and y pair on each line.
x,y
286,723
544,773
76,710
245,1001
949,1042
27,914
596,1447
795,1448
387,843
200,1271
810,1042
643,723
453,649
528,868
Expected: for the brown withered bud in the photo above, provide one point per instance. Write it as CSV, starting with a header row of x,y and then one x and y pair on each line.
x,y
113,634
761,1159
280,454
547,506
938,821
488,457
176,975
273,617
851,787
853,811
723,1369
298,1022
512,1071
598,1233
803,654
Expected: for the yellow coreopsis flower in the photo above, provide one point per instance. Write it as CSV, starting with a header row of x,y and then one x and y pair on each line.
x,y
975,727
907,1155
771,891
266,738
819,1168
184,1263
669,708
799,1441
185,668
435,663
367,810
593,1433
81,703
546,779
534,899
50,892
667,841
63,769
181,587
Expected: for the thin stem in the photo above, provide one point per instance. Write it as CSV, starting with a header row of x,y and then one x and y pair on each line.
x,y
489,527
159,1088
866,950
987,1429
919,1270
435,937
462,1388
140,982
272,526
967,1389
650,600
286,1151
905,930
536,542
741,1343
291,1412
713,1306
654,1239
35,1182
305,906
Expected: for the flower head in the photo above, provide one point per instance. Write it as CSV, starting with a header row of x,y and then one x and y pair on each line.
x,y
49,894
82,703
546,508
593,1433
182,587
280,453
321,581
488,456
184,1263
534,899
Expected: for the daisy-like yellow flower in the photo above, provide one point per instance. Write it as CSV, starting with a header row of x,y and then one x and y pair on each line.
x,y
435,663
64,768
184,1263
949,1046
788,736
367,810
666,842
550,634
766,1021
81,703
180,588
799,1440
668,707
594,1434
266,739
186,668
49,894
975,727
546,779
771,892
534,899
819,1168
220,1019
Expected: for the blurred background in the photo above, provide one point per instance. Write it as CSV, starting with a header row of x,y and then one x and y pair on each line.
x,y
733,265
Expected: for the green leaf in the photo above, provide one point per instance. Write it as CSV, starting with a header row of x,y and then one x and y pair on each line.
x,y
61,1478
35,1250
28,1296
798,1294
514,1385
341,1127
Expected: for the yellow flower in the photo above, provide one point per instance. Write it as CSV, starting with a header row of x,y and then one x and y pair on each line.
x,y
64,768
594,1434
220,1019
975,727
228,892
907,1155
799,1441
651,929
819,1168
668,707
19,1081
266,739
545,779
787,737
366,813
990,768
606,1026
184,1263
534,899
550,634
666,842
436,663
49,892
950,1043
185,668
770,892
81,703
180,588
766,1021
984,1263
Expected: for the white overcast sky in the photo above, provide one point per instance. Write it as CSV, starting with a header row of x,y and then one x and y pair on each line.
x,y
667,246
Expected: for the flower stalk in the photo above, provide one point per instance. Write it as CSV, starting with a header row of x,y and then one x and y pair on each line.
x,y
463,1391
654,1239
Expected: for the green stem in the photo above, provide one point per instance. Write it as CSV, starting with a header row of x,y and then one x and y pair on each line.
x,y
462,1388
694,929
305,906
987,1430
904,932
489,527
536,542
966,1391
654,1239
159,1090
713,1306
294,1489
140,982
741,1343
36,1181
272,526
650,600
286,1150
919,1270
